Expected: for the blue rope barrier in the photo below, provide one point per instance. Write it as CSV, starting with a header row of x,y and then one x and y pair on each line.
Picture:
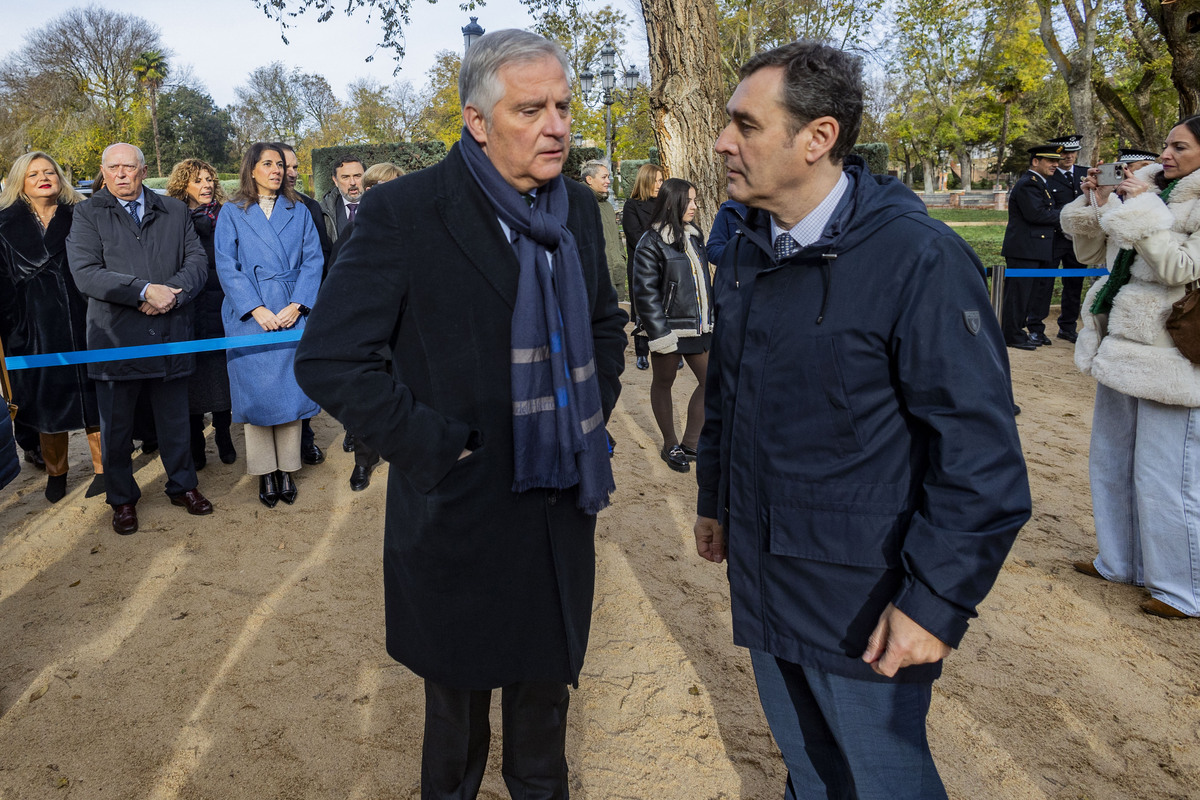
x,y
1054,273
148,350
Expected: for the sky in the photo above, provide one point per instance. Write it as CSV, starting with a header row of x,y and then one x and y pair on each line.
x,y
224,40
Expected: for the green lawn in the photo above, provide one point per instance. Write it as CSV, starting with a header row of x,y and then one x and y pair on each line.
x,y
985,240
968,215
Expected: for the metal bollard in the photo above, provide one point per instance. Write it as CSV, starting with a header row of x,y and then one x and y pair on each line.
x,y
998,291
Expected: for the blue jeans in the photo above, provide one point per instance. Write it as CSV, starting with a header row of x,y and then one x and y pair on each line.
x,y
847,739
1144,466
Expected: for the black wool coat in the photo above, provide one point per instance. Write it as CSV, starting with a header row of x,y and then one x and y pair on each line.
x,y
1032,220
113,259
42,312
482,586
206,316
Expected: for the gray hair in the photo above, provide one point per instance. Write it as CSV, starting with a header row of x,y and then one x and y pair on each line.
x,y
478,80
140,157
591,169
818,81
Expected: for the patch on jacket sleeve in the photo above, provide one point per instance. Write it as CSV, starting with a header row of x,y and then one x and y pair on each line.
x,y
971,320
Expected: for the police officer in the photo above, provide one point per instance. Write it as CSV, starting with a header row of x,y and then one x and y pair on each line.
x,y
1064,187
1029,243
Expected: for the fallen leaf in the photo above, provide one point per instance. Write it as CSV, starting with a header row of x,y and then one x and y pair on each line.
x,y
182,614
76,583
37,693
63,783
95,549
694,691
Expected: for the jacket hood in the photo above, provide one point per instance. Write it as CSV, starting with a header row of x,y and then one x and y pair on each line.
x,y
872,201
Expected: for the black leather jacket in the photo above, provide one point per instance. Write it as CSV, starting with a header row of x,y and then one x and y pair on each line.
x,y
664,291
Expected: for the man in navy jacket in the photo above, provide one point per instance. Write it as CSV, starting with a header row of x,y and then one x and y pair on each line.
x,y
859,463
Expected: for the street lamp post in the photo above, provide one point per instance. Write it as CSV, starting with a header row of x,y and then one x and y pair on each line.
x,y
608,83
470,33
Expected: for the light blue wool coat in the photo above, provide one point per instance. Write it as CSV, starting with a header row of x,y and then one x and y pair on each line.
x,y
266,262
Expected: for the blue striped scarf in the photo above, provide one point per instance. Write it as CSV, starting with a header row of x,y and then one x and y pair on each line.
x,y
558,424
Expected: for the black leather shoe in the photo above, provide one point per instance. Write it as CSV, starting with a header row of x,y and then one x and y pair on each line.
x,y
34,456
1022,345
287,487
643,362
348,442
688,451
360,478
196,504
1040,339
1068,336
149,446
675,459
56,487
311,454
97,486
125,519
268,489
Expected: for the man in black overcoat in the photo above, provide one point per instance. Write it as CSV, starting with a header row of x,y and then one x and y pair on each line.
x,y
488,568
1064,185
1029,244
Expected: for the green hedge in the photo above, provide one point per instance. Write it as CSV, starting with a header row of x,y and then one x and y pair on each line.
x,y
578,156
230,186
409,156
629,170
875,154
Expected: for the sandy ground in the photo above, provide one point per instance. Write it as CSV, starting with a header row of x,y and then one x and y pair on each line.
x,y
241,655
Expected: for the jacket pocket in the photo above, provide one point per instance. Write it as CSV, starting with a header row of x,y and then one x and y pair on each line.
x,y
834,536
669,298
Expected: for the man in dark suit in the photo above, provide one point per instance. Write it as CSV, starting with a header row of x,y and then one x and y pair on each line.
x,y
486,276
1029,244
340,203
310,453
135,256
1064,187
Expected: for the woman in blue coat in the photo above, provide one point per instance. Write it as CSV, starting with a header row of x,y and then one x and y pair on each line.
x,y
269,262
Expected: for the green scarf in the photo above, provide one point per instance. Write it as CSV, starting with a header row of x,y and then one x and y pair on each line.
x,y
1119,274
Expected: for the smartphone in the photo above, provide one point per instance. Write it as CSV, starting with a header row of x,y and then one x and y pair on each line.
x,y
1110,174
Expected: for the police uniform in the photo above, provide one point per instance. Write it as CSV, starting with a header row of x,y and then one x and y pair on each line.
x,y
1028,244
1064,187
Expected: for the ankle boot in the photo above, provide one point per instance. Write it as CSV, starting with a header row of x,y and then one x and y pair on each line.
x,y
56,487
225,449
268,489
287,487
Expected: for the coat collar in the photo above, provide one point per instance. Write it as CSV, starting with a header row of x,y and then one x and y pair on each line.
x,y
19,228
474,226
271,230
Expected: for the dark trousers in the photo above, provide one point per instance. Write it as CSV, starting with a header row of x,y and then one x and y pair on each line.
x,y
457,734
1072,295
1018,300
307,437
168,401
364,454
846,739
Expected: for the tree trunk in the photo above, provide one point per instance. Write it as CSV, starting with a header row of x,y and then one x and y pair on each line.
x,y
928,179
1083,111
687,95
966,170
154,125
1003,142
1179,23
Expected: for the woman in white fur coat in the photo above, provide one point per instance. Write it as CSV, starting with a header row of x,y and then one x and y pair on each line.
x,y
1145,449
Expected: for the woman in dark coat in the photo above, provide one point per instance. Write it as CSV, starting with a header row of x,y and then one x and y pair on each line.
x,y
672,296
635,221
41,311
195,182
269,259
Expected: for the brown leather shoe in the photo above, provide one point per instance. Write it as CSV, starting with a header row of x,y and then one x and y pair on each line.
x,y
195,502
1087,568
1160,609
125,519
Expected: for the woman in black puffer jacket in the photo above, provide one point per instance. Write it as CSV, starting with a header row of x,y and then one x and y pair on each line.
x,y
672,296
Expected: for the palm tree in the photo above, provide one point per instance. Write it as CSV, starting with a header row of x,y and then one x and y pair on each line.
x,y
151,70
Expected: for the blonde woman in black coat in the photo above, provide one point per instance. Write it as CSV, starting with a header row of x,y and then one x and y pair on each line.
x,y
672,296
41,311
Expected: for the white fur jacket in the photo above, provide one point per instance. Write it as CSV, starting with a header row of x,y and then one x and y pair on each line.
x,y
1129,349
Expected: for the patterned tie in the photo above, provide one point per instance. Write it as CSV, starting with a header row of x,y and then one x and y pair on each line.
x,y
785,245
351,208
132,208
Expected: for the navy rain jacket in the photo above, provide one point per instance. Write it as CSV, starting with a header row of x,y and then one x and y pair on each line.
x,y
859,444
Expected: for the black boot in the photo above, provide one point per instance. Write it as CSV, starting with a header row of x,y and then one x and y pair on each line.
x,y
221,422
268,489
196,425
56,487
287,487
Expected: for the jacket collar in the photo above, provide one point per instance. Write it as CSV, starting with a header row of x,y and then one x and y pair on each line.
x,y
271,230
20,229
